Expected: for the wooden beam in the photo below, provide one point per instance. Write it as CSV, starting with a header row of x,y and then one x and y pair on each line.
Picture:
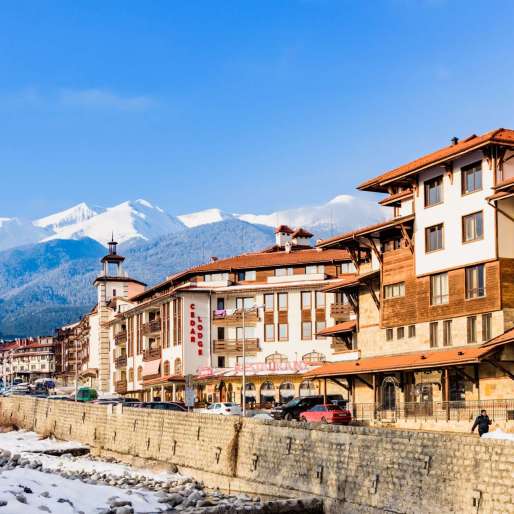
x,y
354,257
339,383
372,293
463,374
374,248
496,364
407,237
363,381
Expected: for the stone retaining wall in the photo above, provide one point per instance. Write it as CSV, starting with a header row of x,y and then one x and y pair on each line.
x,y
353,469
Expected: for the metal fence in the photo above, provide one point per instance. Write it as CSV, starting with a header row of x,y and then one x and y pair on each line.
x,y
497,410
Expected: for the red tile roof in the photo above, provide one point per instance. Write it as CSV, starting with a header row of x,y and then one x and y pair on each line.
x,y
364,231
283,228
391,199
339,328
301,232
499,136
350,280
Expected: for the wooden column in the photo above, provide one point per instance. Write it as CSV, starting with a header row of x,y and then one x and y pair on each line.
x,y
447,392
374,395
324,390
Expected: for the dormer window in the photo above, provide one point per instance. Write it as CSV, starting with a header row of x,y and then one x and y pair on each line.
x,y
434,191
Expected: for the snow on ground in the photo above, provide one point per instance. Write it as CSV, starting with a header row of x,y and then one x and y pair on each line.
x,y
499,434
22,441
57,495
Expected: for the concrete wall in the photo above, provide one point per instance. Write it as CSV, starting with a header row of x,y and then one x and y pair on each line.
x,y
354,469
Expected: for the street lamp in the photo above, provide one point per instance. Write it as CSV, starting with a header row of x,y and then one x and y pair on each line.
x,y
254,308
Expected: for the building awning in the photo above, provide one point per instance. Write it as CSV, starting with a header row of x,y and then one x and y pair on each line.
x,y
166,379
395,199
500,195
340,328
89,372
414,360
151,368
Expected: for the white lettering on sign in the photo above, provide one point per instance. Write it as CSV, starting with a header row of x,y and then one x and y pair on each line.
x,y
196,329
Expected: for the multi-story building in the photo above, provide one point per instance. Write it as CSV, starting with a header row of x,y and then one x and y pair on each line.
x,y
28,359
271,304
433,294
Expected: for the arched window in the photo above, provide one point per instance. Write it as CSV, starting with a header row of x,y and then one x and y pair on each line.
x,y
250,392
267,392
131,374
140,373
275,358
308,388
313,357
286,391
166,367
389,393
178,367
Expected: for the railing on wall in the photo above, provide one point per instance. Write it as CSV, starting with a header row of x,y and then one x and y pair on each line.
x,y
497,410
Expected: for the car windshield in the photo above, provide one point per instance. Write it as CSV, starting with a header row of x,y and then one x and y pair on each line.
x,y
293,403
333,407
229,404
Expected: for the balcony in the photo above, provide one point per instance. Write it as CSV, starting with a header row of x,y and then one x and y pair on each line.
x,y
341,311
152,327
223,317
152,354
120,386
235,347
121,361
120,337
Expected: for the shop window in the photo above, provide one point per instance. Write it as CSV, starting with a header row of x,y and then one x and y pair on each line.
x,y
308,388
286,392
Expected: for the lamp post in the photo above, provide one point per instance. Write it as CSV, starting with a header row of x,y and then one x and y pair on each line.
x,y
243,310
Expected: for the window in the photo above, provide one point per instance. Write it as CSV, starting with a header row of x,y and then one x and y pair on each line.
x,y
394,290
166,368
282,301
216,277
320,325
439,289
269,332
320,300
275,358
486,326
346,267
306,330
249,333
475,281
282,331
306,300
221,361
220,304
447,332
434,238
472,329
472,227
246,303
283,272
140,373
434,191
392,244
269,302
131,374
221,333
177,367
315,269
433,334
471,178
389,334
246,275
412,330
314,357
400,332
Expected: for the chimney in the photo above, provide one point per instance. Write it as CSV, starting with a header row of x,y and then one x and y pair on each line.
x,y
455,140
301,237
282,235
213,258
288,247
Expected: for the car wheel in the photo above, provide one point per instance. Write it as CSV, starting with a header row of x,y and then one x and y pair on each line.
x,y
288,417
323,420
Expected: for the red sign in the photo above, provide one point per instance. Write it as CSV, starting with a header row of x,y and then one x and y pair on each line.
x,y
195,329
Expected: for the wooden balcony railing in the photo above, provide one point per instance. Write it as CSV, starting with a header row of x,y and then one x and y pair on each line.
x,y
120,386
121,361
235,347
339,346
152,354
221,317
341,311
152,326
121,337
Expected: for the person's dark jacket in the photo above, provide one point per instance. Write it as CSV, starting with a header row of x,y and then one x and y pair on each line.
x,y
482,422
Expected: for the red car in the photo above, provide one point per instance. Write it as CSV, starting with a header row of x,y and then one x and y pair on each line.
x,y
327,413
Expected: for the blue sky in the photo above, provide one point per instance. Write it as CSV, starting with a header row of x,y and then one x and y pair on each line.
x,y
250,105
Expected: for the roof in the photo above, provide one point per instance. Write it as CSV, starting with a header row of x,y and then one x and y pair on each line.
x,y
103,278
300,232
500,195
414,360
499,136
339,328
365,230
350,280
505,184
253,261
283,228
392,199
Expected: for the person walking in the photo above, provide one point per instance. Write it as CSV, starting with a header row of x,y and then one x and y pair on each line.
x,y
482,422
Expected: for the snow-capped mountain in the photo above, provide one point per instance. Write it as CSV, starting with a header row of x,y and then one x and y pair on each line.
x,y
196,219
18,232
77,214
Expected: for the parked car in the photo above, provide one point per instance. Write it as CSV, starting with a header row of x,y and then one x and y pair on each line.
x,y
292,409
223,408
327,413
163,406
86,394
60,397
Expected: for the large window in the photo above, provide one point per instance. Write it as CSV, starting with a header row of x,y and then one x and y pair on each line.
x,y
439,289
269,332
472,329
282,332
434,191
306,300
269,302
472,227
394,290
246,303
471,178
306,330
282,301
434,326
434,238
320,300
283,272
475,281
315,269
486,326
346,267
447,332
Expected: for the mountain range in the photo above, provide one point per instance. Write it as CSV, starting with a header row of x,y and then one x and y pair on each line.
x,y
47,265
